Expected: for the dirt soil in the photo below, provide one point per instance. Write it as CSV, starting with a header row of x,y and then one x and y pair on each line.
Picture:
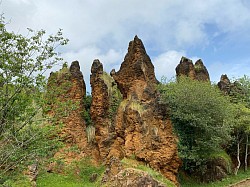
x,y
244,183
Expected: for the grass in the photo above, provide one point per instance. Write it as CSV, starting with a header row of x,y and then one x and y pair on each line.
x,y
108,80
137,107
75,175
57,180
137,165
231,179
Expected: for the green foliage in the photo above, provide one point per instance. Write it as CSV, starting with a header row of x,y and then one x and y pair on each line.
x,y
231,179
58,180
18,181
87,104
23,61
201,116
76,174
115,96
223,155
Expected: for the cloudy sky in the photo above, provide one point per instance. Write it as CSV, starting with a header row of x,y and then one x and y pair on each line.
x,y
217,31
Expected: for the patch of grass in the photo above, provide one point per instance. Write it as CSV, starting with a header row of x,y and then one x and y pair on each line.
x,y
17,181
77,174
58,180
156,175
108,80
231,179
136,106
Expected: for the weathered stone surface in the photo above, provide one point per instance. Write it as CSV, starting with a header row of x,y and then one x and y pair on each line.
x,y
136,66
225,84
185,68
216,169
130,177
67,87
32,173
99,107
195,72
141,128
201,71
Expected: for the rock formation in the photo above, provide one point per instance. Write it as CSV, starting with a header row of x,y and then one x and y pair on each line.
x,y
103,88
195,71
142,129
133,178
136,70
127,118
201,71
225,84
66,90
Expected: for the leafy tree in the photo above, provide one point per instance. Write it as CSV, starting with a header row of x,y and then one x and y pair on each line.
x,y
240,96
201,116
23,62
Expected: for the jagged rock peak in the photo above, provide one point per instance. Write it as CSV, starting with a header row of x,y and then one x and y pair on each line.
x,y
201,71
225,85
195,71
185,68
185,60
75,70
137,66
225,79
136,46
97,67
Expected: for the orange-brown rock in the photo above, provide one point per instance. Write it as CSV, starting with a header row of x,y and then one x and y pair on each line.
x,y
100,108
130,177
224,84
195,71
201,71
185,68
142,128
66,90
232,89
136,66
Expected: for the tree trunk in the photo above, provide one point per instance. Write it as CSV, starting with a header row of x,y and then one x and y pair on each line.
x,y
238,158
246,152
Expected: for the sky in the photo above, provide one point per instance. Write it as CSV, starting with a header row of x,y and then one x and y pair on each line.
x,y
217,31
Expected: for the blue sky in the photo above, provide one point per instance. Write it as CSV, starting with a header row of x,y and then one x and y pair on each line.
x,y
217,31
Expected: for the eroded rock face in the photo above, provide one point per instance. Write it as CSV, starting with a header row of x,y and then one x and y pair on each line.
x,y
134,178
225,84
195,71
99,107
137,67
67,88
185,68
142,128
201,71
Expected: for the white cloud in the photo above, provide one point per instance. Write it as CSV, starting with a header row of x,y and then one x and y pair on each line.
x,y
166,63
111,59
102,29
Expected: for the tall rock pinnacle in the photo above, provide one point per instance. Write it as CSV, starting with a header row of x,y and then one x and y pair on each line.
x,y
136,66
195,71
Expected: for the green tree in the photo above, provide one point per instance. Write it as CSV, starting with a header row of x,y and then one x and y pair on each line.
x,y
201,116
240,96
23,62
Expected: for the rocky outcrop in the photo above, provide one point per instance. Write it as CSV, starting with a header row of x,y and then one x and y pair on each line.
x,y
137,67
66,89
225,85
100,105
130,177
126,116
195,71
142,128
201,71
